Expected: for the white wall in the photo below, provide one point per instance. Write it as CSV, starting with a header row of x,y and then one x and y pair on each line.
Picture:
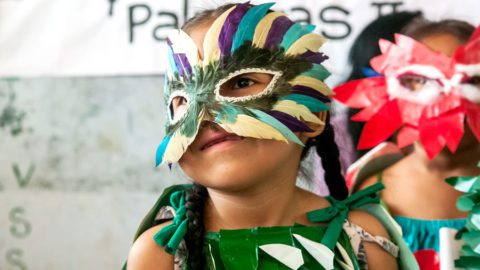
x,y
77,179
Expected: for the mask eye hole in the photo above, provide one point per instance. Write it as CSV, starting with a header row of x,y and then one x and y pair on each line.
x,y
413,82
177,107
246,84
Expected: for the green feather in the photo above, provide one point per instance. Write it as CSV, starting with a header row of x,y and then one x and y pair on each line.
x,y
294,33
227,113
246,28
318,72
161,150
312,104
270,120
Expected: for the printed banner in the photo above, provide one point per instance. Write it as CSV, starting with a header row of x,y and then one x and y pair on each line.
x,y
127,37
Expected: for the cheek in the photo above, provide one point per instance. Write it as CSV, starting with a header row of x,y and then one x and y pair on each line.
x,y
239,168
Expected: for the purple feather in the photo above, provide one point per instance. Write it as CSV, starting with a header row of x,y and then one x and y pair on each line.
x,y
307,91
181,61
278,29
169,43
315,57
289,121
230,27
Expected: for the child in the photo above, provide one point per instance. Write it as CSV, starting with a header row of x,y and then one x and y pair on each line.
x,y
432,100
245,100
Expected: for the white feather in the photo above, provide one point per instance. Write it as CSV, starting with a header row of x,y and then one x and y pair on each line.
x,y
183,43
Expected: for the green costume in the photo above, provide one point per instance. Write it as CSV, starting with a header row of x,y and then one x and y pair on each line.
x,y
324,246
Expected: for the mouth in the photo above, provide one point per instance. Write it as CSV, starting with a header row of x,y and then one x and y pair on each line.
x,y
221,139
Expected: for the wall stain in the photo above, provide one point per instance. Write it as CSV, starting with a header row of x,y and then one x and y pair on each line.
x,y
11,118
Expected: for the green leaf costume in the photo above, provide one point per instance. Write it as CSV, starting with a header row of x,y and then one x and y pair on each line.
x,y
470,234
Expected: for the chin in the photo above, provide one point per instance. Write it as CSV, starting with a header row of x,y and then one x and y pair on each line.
x,y
223,175
239,166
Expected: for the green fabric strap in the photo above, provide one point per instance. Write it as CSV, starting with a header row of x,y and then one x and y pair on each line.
x,y
170,236
337,213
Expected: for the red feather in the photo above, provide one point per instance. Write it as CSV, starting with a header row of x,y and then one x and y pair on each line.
x,y
361,93
381,126
407,136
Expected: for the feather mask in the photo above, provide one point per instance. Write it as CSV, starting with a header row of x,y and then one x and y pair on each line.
x,y
244,39
424,95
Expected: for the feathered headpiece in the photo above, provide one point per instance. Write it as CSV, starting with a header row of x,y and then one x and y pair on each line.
x,y
424,95
244,39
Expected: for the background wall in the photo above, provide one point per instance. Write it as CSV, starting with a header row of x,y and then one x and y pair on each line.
x,y
77,169
81,116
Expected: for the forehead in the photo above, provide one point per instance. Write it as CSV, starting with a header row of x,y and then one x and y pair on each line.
x,y
442,42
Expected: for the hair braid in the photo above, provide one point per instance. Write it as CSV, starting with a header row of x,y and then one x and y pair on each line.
x,y
327,149
195,203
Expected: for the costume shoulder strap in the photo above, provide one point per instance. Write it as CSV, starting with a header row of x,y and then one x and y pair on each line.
x,y
406,259
165,199
374,166
367,200
337,213
171,196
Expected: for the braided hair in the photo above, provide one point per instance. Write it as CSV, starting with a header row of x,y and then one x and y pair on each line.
x,y
327,150
195,204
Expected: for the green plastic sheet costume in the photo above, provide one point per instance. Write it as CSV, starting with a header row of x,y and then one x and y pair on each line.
x,y
251,248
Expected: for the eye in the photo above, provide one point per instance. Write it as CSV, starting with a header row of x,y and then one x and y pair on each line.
x,y
243,82
413,82
177,108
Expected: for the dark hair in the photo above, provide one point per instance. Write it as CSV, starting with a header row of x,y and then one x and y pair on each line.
x,y
364,48
420,28
327,150
205,16
195,199
195,204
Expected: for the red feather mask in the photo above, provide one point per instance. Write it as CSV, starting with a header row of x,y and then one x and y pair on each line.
x,y
424,95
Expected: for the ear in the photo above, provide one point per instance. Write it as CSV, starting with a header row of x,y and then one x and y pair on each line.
x,y
317,129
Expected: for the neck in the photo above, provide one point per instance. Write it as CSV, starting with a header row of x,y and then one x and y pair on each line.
x,y
268,204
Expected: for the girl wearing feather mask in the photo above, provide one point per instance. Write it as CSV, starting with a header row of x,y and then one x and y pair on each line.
x,y
245,100
429,94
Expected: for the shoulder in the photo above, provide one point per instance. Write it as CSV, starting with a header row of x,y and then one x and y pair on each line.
x,y
380,252
367,222
147,254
